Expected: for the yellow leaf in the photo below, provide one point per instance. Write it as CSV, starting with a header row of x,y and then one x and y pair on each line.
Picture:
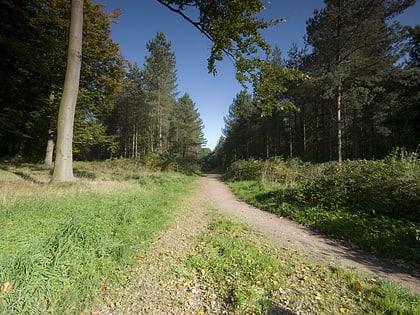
x,y
343,310
318,296
200,312
6,287
188,282
357,285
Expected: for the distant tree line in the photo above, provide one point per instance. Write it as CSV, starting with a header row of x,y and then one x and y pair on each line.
x,y
357,95
119,112
148,118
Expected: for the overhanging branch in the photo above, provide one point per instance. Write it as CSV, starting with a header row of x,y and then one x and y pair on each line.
x,y
195,24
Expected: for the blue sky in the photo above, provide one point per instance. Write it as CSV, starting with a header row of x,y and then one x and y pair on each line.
x,y
142,19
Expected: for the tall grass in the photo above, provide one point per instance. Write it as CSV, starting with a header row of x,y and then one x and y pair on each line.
x,y
58,245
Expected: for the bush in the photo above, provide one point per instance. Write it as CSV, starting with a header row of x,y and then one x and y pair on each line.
x,y
387,187
245,170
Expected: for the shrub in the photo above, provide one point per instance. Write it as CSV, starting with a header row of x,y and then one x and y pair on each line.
x,y
245,170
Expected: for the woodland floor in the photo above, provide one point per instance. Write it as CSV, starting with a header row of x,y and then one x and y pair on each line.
x,y
154,287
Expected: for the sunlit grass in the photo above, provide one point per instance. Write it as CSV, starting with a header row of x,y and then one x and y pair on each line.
x,y
243,275
59,243
386,235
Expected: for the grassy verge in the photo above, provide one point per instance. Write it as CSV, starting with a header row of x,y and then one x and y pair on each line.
x,y
239,274
391,237
60,244
373,204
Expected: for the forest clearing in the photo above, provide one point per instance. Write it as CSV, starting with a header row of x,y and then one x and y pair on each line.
x,y
110,243
131,184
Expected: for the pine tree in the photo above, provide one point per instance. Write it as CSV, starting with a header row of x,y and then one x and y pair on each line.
x,y
160,83
131,124
186,133
351,49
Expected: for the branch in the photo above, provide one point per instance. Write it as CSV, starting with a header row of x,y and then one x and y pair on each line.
x,y
195,24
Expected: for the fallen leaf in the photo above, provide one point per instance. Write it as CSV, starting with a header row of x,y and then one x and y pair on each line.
x,y
357,285
138,257
188,282
6,287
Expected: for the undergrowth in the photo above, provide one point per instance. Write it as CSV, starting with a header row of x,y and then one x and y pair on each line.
x,y
374,204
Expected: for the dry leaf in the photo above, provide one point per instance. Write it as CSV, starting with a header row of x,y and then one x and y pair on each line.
x,y
357,285
138,257
6,287
318,296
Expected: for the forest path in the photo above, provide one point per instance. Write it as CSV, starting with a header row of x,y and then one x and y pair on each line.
x,y
319,248
156,287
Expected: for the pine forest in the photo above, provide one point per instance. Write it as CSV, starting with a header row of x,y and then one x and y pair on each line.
x,y
351,93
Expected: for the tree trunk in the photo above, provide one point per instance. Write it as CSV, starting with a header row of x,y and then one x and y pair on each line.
x,y
290,135
339,124
304,131
63,169
50,149
50,143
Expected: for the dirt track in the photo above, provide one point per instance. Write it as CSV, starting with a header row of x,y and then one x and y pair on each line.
x,y
283,232
154,288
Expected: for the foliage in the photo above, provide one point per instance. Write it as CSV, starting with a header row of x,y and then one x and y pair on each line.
x,y
353,62
275,170
186,130
32,83
62,244
241,274
245,170
148,119
374,204
233,27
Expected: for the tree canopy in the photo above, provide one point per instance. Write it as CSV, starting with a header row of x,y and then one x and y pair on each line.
x,y
351,93
354,96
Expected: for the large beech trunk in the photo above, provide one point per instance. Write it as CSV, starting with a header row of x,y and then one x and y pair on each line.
x,y
63,168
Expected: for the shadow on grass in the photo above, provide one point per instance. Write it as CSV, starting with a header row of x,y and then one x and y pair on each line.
x,y
27,178
395,239
384,245
17,169
276,310
84,174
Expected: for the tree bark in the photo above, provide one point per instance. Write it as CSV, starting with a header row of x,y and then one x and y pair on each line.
x,y
63,168
339,124
49,152
50,149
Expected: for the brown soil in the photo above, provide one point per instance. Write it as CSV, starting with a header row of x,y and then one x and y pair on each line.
x,y
154,288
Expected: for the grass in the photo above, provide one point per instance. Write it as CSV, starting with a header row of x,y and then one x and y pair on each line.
x,y
391,237
241,274
60,243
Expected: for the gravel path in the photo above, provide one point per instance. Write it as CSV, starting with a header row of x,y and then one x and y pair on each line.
x,y
283,232
155,286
